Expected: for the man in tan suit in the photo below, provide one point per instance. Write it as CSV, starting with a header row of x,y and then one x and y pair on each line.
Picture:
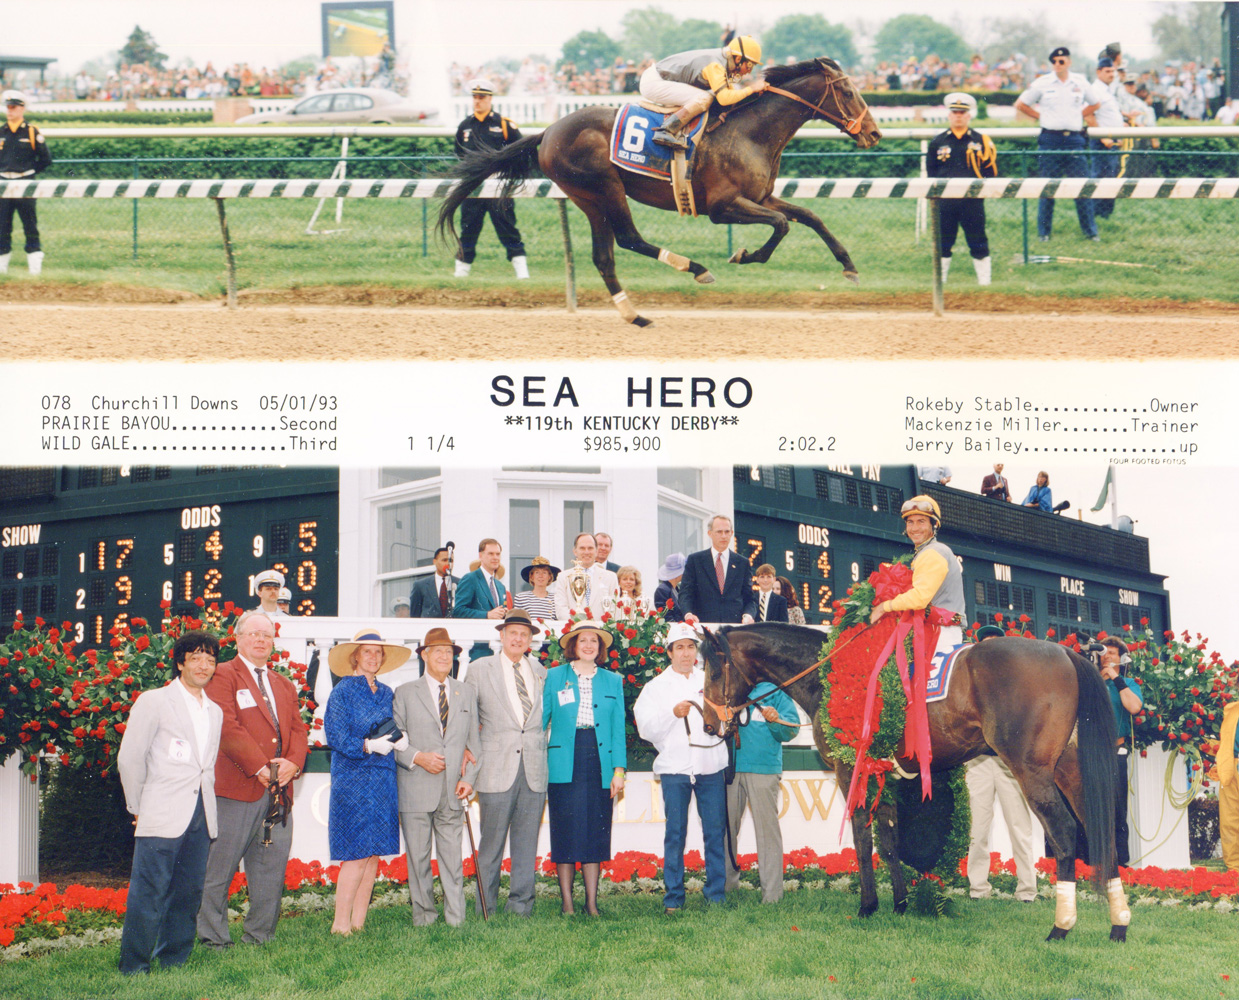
x,y
264,740
438,714
511,781
602,582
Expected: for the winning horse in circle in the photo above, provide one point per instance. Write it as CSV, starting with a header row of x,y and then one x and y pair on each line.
x,y
734,171
1041,707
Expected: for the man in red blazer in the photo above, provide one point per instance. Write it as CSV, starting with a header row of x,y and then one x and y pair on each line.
x,y
717,585
263,739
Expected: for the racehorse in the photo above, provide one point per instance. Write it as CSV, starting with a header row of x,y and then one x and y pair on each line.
x,y
734,170
1041,707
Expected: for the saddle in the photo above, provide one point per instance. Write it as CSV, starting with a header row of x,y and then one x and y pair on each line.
x,y
632,148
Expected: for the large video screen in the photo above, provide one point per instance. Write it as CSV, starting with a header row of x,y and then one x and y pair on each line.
x,y
357,29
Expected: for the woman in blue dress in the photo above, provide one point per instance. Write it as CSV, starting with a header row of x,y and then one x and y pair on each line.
x,y
363,822
1039,496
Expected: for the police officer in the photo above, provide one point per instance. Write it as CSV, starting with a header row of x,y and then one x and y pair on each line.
x,y
23,153
694,80
1061,100
267,587
961,152
483,130
1105,158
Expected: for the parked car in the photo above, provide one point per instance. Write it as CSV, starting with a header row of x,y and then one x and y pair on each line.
x,y
349,106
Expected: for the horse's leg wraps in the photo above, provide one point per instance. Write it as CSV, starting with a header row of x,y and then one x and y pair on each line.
x,y
1065,905
674,259
626,308
1120,914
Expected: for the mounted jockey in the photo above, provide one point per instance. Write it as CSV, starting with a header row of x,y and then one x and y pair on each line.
x,y
937,580
696,79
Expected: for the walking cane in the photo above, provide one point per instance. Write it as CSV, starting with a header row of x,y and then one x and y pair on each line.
x,y
477,872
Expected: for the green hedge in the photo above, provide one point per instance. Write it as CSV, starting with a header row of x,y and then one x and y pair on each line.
x,y
75,119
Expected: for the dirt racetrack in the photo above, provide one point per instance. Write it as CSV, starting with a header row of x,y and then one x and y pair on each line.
x,y
372,327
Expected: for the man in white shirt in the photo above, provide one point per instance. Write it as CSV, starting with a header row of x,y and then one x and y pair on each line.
x,y
432,594
1059,100
267,587
167,767
689,761
601,586
1105,159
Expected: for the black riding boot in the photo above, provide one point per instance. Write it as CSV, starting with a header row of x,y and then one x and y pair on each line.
x,y
669,133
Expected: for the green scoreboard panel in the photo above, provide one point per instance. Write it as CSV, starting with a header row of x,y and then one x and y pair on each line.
x,y
96,546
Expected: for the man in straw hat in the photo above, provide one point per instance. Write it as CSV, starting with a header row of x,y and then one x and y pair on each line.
x,y
264,740
689,762
511,782
435,779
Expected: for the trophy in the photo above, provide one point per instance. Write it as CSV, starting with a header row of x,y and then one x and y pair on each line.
x,y
577,580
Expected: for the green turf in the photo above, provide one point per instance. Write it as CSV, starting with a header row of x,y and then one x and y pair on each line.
x,y
1191,244
994,949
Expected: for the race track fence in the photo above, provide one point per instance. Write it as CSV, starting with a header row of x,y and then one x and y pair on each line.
x,y
916,188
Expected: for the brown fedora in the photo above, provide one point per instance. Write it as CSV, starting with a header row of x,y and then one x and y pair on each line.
x,y
516,616
438,637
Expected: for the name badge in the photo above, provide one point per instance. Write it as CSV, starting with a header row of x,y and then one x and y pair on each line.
x,y
245,698
567,696
179,750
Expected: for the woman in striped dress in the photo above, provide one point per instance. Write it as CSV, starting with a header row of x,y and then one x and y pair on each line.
x,y
538,602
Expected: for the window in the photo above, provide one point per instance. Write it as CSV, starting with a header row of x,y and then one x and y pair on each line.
x,y
524,539
686,481
408,534
394,477
578,517
316,105
678,532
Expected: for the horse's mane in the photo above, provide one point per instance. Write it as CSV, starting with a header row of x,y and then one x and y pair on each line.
x,y
779,75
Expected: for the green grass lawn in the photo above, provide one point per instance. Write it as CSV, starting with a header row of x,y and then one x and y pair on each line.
x,y
1191,242
994,949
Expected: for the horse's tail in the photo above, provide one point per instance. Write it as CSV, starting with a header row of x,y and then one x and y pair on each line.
x,y
1097,735
511,164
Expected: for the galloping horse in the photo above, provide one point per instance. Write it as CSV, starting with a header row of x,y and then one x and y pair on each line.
x,y
1041,707
734,170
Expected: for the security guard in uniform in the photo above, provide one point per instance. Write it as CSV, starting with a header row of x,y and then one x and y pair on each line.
x,y
694,80
23,153
961,152
484,130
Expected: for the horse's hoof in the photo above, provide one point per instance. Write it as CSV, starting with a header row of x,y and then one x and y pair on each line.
x,y
1057,934
737,257
1118,932
705,278
642,321
901,906
868,910
852,276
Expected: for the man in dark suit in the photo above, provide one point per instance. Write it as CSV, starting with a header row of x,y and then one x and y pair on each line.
x,y
480,594
718,585
263,740
432,595
604,543
995,487
771,607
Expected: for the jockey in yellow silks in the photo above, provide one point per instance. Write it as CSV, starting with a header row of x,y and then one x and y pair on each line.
x,y
937,580
696,79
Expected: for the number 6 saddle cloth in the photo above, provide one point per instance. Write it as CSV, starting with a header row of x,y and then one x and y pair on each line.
x,y
632,146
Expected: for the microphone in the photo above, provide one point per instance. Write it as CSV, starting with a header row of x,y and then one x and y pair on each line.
x,y
1060,507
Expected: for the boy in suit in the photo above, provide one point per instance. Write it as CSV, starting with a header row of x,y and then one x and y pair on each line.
x,y
438,714
167,767
771,607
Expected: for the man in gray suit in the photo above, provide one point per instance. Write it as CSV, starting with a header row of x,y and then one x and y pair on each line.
x,y
511,781
167,767
438,714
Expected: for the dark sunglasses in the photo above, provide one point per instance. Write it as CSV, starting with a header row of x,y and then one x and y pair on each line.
x,y
1057,61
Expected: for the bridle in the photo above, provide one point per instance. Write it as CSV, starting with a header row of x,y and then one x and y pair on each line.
x,y
851,126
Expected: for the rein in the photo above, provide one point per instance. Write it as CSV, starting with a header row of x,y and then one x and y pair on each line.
x,y
851,126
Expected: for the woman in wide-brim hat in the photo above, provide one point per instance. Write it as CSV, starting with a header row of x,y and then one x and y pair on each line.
x,y
583,704
538,602
363,819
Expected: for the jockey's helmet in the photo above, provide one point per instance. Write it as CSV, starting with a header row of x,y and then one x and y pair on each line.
x,y
922,505
743,48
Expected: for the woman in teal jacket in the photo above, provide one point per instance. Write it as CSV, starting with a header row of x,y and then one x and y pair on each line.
x,y
586,757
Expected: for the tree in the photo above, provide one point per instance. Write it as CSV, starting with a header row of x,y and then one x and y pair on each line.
x,y
141,47
1189,31
1032,36
804,36
590,49
915,36
647,32
695,33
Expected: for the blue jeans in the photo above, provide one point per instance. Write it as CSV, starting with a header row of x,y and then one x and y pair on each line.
x,y
711,792
1105,164
1052,162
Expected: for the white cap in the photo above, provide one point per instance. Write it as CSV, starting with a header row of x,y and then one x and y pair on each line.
x,y
268,576
961,102
682,630
14,95
285,595
482,86
399,602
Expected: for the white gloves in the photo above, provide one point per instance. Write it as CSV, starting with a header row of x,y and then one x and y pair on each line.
x,y
401,744
380,747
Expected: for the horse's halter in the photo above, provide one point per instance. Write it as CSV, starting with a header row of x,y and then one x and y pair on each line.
x,y
851,126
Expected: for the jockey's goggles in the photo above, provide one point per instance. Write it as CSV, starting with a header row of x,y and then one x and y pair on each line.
x,y
919,506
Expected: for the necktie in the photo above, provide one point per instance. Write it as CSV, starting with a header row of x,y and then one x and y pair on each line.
x,y
765,602
279,745
443,707
494,594
718,571
443,598
522,692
